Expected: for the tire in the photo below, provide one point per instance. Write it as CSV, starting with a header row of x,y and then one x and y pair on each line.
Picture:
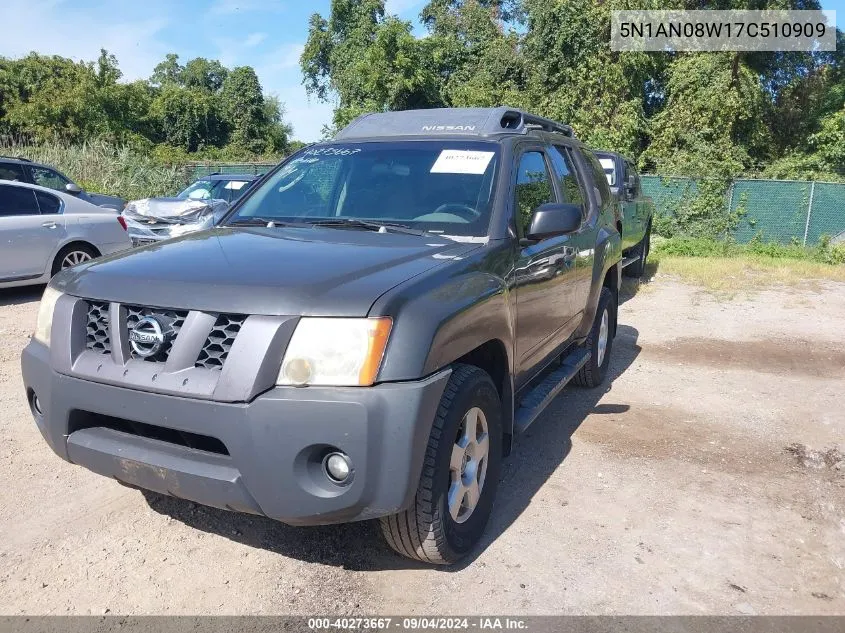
x,y
78,253
637,269
428,531
593,373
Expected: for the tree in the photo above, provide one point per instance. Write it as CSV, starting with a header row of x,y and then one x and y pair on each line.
x,y
168,71
190,118
367,60
202,73
243,105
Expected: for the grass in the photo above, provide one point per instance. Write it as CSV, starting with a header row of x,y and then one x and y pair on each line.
x,y
728,268
101,167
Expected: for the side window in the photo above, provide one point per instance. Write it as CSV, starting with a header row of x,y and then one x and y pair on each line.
x,y
599,178
17,201
11,171
48,178
533,188
567,177
48,204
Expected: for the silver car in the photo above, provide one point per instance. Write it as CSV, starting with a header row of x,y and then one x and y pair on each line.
x,y
43,231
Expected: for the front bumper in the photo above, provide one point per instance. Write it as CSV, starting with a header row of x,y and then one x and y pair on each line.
x,y
275,443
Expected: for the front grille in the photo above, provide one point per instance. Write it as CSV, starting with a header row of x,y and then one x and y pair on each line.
x,y
220,341
213,354
173,320
97,328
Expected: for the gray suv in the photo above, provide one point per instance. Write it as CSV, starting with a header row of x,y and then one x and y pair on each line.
x,y
24,170
362,336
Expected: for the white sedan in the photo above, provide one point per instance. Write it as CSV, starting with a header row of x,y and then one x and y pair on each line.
x,y
43,231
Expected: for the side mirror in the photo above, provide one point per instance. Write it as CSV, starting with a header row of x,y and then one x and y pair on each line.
x,y
73,189
551,219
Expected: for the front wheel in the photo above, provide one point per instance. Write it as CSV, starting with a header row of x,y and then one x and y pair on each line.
x,y
599,342
637,269
460,474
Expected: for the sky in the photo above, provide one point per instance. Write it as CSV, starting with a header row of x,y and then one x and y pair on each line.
x,y
266,34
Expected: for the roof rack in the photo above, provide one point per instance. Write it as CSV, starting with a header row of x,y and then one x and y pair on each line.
x,y
21,158
547,125
450,122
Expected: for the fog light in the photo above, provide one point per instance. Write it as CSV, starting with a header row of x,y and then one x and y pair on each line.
x,y
337,467
36,405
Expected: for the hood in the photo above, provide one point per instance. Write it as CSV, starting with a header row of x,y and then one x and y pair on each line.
x,y
279,271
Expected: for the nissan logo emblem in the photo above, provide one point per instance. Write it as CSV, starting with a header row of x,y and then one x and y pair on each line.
x,y
147,337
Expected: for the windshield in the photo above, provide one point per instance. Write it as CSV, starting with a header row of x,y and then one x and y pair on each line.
x,y
200,190
437,186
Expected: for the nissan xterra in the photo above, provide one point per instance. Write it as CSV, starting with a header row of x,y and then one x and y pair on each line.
x,y
361,336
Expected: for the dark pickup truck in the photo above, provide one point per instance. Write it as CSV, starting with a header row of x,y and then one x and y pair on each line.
x,y
362,336
636,210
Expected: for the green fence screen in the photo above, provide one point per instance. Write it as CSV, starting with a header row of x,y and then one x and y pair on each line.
x,y
783,211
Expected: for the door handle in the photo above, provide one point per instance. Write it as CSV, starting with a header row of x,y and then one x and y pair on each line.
x,y
49,225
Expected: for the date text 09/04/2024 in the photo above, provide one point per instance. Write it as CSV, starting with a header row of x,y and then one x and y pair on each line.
x,y
417,624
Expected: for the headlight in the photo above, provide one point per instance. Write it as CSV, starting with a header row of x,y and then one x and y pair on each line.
x,y
340,352
44,322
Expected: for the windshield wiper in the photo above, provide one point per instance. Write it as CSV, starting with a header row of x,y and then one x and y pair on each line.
x,y
255,221
381,227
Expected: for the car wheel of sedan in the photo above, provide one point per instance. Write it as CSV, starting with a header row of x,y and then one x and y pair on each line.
x,y
460,474
73,255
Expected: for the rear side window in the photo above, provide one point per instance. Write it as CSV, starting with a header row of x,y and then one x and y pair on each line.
x,y
47,203
533,187
567,177
17,201
11,171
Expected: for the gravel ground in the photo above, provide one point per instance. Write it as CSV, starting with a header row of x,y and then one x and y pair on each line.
x,y
706,478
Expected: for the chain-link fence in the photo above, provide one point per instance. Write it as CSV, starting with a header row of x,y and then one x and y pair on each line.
x,y
198,170
783,211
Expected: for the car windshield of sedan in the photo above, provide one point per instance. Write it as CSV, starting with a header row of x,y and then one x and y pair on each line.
x,y
200,190
443,187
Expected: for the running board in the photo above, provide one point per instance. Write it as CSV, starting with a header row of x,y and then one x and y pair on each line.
x,y
627,261
541,396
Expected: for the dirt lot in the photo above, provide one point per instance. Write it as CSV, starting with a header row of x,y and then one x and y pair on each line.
x,y
705,479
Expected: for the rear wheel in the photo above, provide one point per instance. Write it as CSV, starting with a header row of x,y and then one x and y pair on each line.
x,y
73,254
460,474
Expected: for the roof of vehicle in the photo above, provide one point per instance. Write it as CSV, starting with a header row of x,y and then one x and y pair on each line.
x,y
71,202
21,160
439,122
219,176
